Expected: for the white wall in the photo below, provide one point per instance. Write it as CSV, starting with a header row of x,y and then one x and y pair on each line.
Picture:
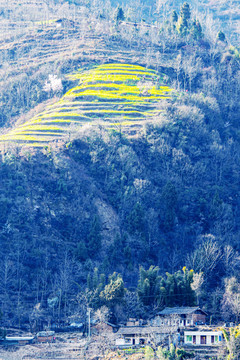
x,y
198,335
127,341
120,342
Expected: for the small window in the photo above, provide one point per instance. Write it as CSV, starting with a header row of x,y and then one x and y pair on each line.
x,y
216,338
189,338
220,338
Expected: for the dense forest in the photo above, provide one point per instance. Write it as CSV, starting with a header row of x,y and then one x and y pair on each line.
x,y
131,223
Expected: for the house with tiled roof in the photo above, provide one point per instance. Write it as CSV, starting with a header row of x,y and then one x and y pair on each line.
x,y
138,335
180,316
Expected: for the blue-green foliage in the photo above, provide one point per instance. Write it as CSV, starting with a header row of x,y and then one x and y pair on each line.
x,y
172,290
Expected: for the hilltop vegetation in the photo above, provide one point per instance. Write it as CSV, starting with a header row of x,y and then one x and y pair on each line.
x,y
58,40
153,182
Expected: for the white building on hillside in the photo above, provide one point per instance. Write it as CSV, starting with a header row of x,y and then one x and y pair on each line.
x,y
203,337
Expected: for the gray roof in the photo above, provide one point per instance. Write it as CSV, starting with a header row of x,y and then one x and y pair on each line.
x,y
141,330
110,324
19,338
183,310
45,333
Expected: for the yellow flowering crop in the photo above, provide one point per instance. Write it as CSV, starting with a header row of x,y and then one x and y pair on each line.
x,y
114,94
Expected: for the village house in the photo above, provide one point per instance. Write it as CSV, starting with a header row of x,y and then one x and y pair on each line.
x,y
137,334
180,316
203,337
17,340
140,335
45,336
65,23
178,326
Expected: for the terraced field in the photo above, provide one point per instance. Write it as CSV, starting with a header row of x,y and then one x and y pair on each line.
x,y
114,95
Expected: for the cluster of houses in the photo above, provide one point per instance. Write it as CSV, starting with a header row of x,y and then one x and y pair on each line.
x,y
182,326
41,337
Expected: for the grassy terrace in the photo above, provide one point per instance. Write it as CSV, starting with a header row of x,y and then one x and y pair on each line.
x,y
113,94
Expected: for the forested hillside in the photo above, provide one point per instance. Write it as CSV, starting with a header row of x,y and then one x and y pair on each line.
x,y
106,216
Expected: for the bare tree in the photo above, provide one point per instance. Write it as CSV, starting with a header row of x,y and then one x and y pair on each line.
x,y
7,275
206,257
231,259
102,314
231,298
197,284
191,67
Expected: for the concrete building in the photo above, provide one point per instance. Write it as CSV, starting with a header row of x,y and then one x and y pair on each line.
x,y
203,337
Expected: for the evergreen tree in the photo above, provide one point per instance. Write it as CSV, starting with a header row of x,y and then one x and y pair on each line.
x,y
185,15
174,17
113,292
185,12
81,252
196,30
169,200
189,297
95,279
148,285
94,238
136,220
89,282
176,289
119,14
127,251
173,21
102,281
115,251
95,284
221,36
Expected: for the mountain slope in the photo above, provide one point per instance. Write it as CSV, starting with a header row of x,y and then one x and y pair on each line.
x,y
107,202
112,95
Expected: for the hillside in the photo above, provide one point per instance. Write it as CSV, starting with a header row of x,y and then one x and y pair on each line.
x,y
131,159
114,95
59,48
